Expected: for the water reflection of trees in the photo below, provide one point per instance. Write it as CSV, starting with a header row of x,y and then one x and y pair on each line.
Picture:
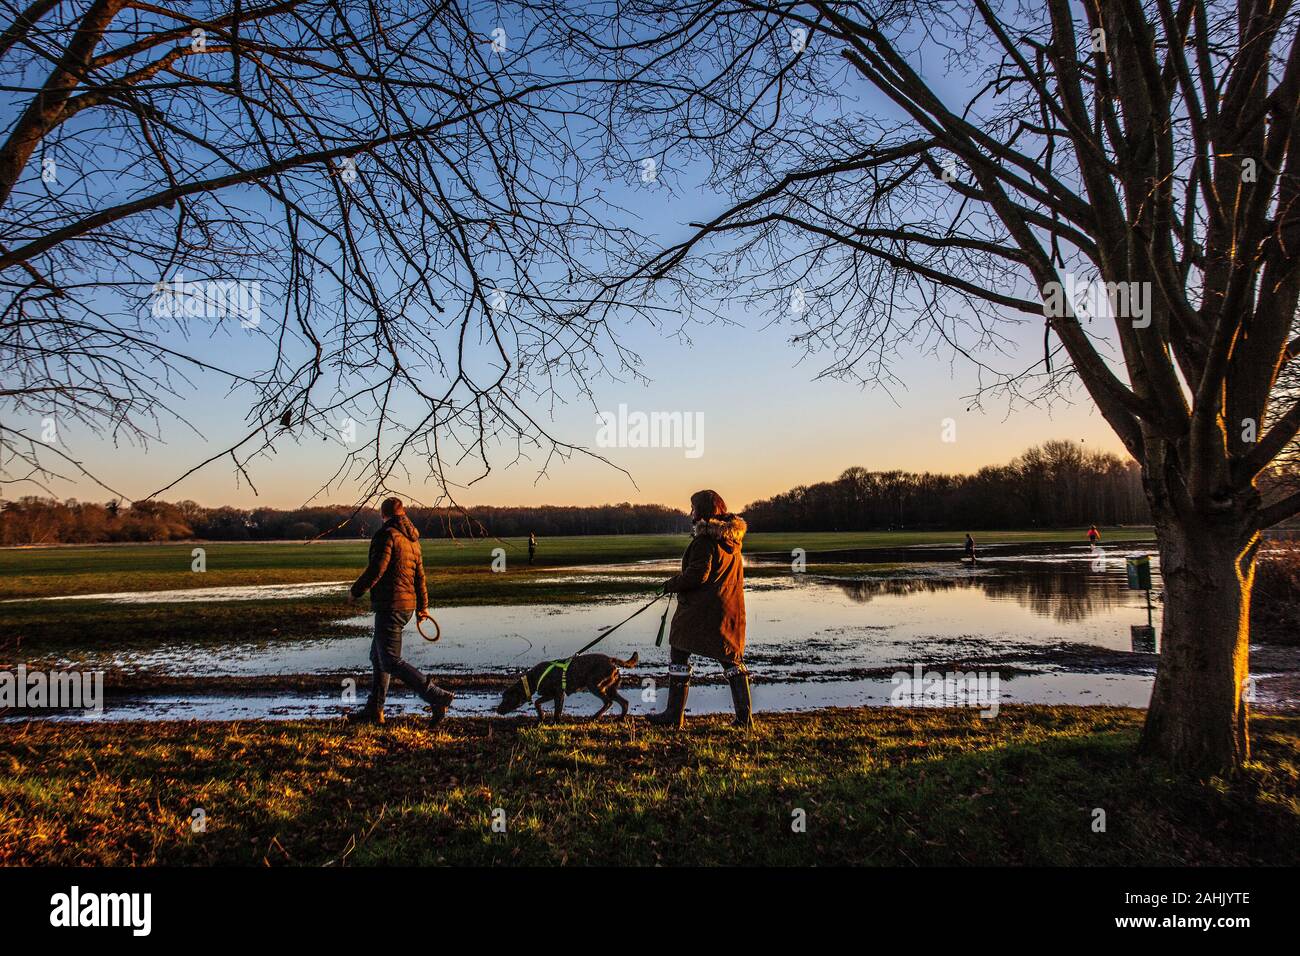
x,y
1064,596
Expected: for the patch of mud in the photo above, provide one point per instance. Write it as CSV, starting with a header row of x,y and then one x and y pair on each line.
x,y
1062,674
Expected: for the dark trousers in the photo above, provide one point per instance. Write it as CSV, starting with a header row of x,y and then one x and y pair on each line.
x,y
386,656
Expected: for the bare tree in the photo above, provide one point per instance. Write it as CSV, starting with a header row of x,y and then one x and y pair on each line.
x,y
384,194
934,173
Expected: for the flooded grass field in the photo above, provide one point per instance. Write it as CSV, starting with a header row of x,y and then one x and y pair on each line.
x,y
1051,622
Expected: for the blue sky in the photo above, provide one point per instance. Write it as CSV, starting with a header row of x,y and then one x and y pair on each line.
x,y
769,423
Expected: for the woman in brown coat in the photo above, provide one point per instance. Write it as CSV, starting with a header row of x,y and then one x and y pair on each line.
x,y
710,616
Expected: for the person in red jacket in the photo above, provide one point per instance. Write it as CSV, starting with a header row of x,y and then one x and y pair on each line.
x,y
1094,536
395,579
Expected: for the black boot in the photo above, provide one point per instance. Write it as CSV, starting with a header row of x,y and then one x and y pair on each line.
x,y
368,714
373,711
674,715
739,681
439,700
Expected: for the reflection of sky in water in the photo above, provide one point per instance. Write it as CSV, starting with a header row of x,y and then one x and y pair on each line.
x,y
803,623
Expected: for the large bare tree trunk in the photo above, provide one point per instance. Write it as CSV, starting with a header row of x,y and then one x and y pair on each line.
x,y
1166,162
1197,717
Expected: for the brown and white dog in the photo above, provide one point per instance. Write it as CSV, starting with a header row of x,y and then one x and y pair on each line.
x,y
552,681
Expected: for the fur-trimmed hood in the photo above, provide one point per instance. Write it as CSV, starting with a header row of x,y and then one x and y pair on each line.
x,y
728,530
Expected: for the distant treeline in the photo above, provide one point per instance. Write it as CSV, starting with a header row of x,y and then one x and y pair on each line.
x,y
35,520
1057,484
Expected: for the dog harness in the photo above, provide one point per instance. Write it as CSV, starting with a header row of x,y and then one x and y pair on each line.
x,y
561,666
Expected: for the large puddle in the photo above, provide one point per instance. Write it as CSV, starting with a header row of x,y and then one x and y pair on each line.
x,y
1052,622
799,625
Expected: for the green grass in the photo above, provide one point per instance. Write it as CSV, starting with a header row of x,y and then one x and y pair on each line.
x,y
43,572
878,786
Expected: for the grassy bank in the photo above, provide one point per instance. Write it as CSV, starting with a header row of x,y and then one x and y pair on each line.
x,y
43,572
883,786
